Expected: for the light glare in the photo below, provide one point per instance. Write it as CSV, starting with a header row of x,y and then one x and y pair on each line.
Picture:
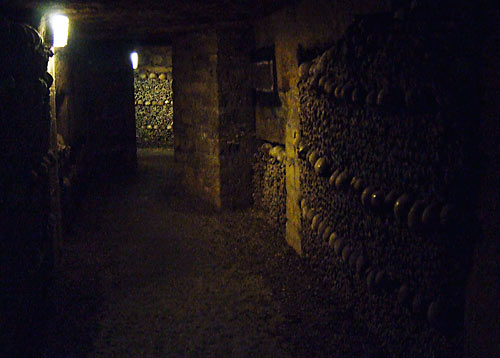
x,y
60,28
134,57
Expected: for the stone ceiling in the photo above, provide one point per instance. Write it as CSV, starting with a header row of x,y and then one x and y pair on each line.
x,y
147,20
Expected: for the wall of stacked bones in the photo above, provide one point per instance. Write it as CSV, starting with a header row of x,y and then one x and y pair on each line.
x,y
269,193
386,122
153,99
29,219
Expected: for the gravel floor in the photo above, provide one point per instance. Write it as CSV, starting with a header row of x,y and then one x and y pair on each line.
x,y
150,272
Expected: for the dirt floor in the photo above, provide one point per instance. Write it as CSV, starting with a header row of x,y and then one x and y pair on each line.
x,y
148,271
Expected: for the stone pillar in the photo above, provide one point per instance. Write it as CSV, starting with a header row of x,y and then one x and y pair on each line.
x,y
284,35
54,188
236,116
213,115
196,113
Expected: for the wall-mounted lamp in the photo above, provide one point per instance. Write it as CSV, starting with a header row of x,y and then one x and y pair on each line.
x,y
134,57
60,28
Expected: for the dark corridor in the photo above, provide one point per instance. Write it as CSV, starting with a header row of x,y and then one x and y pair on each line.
x,y
285,178
148,271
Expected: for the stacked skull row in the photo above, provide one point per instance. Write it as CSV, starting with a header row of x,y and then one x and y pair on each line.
x,y
417,213
154,76
377,279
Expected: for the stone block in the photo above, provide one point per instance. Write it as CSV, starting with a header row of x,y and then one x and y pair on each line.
x,y
293,237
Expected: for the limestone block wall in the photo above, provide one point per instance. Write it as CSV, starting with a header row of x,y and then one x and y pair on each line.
x,y
100,107
71,133
213,115
387,157
236,116
153,97
196,113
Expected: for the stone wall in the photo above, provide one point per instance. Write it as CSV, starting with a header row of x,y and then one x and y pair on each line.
x,y
153,97
95,101
213,115
196,113
106,77
236,116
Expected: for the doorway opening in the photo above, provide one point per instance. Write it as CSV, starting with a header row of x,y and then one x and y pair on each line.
x,y
153,98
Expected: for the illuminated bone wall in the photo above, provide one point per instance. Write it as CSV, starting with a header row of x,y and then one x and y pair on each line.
x,y
153,97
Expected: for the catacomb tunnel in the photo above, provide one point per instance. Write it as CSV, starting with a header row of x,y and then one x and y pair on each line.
x,y
249,178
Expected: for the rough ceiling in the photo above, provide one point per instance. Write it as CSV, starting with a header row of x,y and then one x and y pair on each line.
x,y
144,20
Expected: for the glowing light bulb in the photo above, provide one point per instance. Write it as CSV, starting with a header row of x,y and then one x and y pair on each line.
x,y
134,57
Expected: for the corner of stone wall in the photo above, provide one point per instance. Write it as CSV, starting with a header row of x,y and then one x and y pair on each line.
x,y
196,114
292,132
236,116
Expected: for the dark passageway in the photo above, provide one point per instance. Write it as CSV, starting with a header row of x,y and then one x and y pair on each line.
x,y
148,271
330,187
